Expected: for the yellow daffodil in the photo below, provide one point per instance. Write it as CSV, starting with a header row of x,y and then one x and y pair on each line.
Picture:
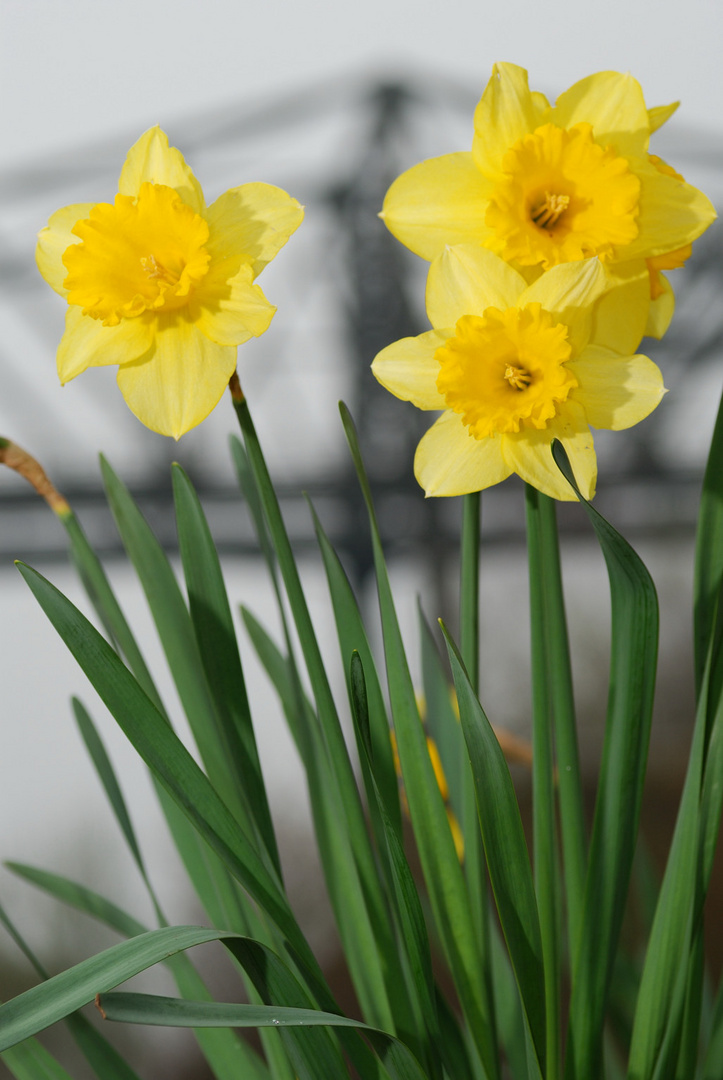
x,y
162,285
545,185
515,366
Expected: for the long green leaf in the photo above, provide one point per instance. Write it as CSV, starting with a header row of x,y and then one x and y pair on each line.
x,y
442,872
177,636
620,786
506,853
339,821
216,637
169,760
225,1054
29,1060
709,551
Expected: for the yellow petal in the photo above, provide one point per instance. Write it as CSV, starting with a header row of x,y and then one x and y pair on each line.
x,y
660,114
151,160
180,381
615,107
616,392
661,310
465,280
529,454
54,239
672,213
409,370
440,201
87,343
506,112
253,221
620,316
569,291
449,461
230,310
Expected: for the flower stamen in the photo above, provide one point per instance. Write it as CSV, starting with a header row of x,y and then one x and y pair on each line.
x,y
517,377
550,210
156,271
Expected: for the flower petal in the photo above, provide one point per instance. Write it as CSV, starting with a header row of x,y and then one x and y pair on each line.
x,y
54,239
661,310
672,213
438,202
230,310
569,291
660,114
613,104
253,221
87,343
506,112
529,454
616,392
409,370
177,384
465,280
620,316
449,461
151,160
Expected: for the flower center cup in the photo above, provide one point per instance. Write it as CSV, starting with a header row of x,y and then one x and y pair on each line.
x,y
139,254
505,370
562,198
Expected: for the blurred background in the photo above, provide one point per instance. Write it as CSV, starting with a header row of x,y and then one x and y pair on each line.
x,y
330,103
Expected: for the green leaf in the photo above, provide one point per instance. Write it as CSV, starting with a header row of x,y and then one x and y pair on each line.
x,y
442,872
29,1060
216,637
80,897
407,912
169,760
709,552
352,637
505,849
61,995
177,636
620,787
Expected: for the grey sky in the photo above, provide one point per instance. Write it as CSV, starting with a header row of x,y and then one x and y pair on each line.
x,y
73,70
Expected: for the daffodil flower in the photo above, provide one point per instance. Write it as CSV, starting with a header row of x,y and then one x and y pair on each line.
x,y
515,366
162,285
545,185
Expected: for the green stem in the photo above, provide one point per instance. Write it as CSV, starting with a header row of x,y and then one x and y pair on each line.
x,y
569,782
469,586
474,864
543,790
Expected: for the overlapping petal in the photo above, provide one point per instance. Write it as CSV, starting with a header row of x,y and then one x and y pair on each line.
x,y
54,239
529,455
449,461
252,221
506,112
466,279
151,160
87,343
614,105
409,370
438,202
569,292
230,310
616,392
620,316
672,213
177,384
661,310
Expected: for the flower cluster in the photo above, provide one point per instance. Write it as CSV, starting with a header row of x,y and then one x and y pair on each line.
x,y
162,285
547,243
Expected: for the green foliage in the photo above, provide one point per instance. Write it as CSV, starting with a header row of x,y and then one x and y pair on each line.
x,y
464,969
